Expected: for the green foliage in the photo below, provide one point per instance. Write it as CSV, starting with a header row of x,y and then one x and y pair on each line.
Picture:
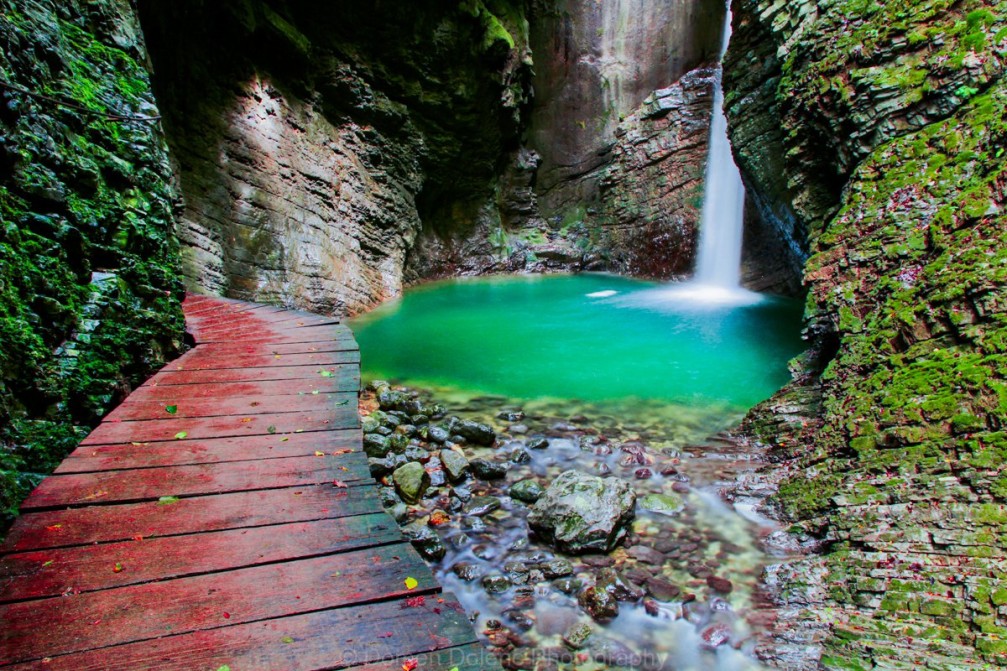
x,y
89,287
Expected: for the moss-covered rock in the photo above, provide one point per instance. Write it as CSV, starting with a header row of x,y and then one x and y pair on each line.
x,y
891,125
89,292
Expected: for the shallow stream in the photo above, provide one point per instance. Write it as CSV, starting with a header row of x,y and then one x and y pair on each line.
x,y
623,379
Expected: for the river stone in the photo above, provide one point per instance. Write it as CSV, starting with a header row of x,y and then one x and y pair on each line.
x,y
455,464
666,504
528,491
483,505
376,445
538,443
411,480
581,513
662,590
438,434
618,586
425,540
465,571
646,555
488,470
599,603
473,432
577,635
556,568
494,584
371,423
722,585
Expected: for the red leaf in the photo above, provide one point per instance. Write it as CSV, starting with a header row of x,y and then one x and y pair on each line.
x,y
409,665
340,484
414,602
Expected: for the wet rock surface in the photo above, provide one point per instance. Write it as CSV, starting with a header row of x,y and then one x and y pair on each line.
x,y
580,513
683,576
868,136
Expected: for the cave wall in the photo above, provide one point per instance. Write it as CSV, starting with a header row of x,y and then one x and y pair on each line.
x,y
316,143
880,134
89,287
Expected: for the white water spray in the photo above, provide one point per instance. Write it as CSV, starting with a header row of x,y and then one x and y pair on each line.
x,y
719,260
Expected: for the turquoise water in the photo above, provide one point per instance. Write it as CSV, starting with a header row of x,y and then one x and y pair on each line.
x,y
571,337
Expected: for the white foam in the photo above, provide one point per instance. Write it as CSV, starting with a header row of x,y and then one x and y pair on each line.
x,y
602,294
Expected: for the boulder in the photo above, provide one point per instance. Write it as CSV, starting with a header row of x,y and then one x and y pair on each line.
x,y
488,470
581,513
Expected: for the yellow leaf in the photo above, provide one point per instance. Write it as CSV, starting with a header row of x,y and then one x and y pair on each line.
x,y
319,454
411,583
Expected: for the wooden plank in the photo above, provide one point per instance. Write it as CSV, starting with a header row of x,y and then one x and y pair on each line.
x,y
82,489
151,610
332,639
242,346
43,573
133,409
108,433
345,374
172,393
261,329
93,458
197,360
240,510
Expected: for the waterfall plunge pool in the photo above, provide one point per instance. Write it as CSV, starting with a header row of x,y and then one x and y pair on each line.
x,y
590,337
621,378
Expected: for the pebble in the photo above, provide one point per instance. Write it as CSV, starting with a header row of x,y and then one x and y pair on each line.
x,y
488,470
494,584
598,561
577,635
722,585
646,555
661,589
537,443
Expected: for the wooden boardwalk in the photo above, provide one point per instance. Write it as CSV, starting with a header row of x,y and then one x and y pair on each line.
x,y
223,517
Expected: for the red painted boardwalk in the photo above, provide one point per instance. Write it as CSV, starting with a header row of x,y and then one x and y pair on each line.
x,y
223,517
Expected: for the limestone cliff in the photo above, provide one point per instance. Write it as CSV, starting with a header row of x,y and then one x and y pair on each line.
x,y
879,130
89,292
316,141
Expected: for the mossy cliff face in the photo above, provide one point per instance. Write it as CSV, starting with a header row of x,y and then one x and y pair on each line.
x,y
89,296
880,130
318,142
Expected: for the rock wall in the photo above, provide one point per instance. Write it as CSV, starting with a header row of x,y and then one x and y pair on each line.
x,y
596,62
89,292
316,143
880,133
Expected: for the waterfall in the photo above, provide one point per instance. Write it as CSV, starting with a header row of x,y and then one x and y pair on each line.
x,y
718,262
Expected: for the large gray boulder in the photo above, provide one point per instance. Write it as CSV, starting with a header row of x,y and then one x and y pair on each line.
x,y
582,513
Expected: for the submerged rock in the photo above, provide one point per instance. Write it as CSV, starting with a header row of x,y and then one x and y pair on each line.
x,y
666,504
581,513
577,635
411,480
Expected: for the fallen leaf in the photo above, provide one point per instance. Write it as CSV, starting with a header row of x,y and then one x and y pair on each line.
x,y
181,434
319,454
284,439
48,563
325,373
415,602
117,568
138,537
225,667
254,404
339,483
54,527
315,392
167,500
343,468
227,615
246,420
344,451
270,429
286,639
411,583
409,665
171,409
